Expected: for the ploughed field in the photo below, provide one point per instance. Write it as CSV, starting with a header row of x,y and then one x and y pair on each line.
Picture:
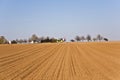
x,y
60,61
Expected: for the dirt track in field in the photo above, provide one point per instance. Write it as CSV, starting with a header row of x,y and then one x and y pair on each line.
x,y
60,61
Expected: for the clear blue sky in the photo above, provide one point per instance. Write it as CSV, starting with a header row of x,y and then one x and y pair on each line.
x,y
59,18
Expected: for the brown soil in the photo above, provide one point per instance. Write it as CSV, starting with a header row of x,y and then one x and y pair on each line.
x,y
60,61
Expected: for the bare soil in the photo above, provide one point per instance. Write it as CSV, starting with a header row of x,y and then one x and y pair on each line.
x,y
60,61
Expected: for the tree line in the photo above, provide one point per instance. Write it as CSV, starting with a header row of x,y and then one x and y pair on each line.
x,y
89,38
35,39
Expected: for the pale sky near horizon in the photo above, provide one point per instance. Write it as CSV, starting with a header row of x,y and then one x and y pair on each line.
x,y
59,18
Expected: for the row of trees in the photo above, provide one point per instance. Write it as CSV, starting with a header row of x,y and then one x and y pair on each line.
x,y
89,38
35,39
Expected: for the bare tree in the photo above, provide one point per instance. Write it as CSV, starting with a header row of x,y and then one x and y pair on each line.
x,y
77,38
82,38
99,37
21,41
88,38
34,38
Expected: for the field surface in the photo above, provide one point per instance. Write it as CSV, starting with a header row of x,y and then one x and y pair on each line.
x,y
60,61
